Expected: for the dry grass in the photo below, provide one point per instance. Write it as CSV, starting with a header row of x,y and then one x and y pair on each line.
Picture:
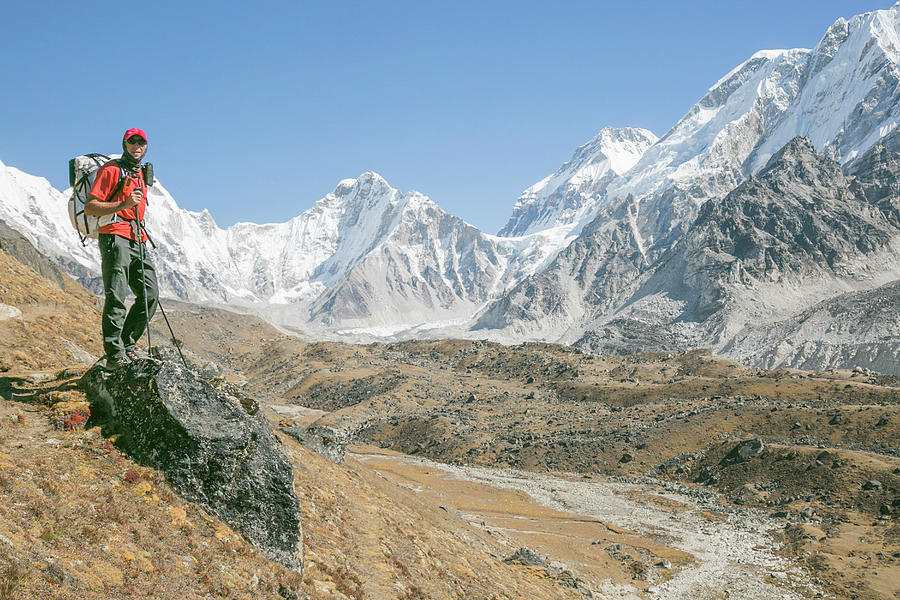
x,y
50,315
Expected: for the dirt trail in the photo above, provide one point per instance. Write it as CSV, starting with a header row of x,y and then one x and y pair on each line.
x,y
623,540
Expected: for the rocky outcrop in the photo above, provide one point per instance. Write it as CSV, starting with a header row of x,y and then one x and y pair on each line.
x,y
211,449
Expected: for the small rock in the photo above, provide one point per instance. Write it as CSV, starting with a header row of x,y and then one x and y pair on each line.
x,y
882,422
886,510
626,458
528,557
872,484
39,377
9,312
808,513
836,420
212,370
708,475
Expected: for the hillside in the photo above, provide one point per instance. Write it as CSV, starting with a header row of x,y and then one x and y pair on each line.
x,y
81,520
654,419
463,452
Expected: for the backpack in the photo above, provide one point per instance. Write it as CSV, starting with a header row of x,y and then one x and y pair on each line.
x,y
82,172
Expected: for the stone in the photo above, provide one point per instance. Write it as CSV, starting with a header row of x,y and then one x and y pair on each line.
x,y
327,441
744,451
872,484
40,377
708,475
9,312
529,558
211,450
79,354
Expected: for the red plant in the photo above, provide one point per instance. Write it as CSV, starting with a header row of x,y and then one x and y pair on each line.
x,y
77,419
132,476
21,418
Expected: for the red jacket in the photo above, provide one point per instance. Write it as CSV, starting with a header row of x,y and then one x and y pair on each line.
x,y
106,181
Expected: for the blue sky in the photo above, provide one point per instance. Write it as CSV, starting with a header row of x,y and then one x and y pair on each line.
x,y
255,110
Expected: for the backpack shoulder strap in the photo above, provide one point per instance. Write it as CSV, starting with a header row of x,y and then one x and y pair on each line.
x,y
119,184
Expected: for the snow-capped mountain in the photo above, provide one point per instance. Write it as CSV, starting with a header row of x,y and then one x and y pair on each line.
x,y
559,199
366,255
786,247
843,95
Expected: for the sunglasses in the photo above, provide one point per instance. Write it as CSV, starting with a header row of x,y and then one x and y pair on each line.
x,y
137,140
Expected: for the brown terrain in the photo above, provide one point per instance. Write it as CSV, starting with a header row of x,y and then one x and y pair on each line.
x,y
620,474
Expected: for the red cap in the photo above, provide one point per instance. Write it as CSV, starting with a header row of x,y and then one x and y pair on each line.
x,y
134,131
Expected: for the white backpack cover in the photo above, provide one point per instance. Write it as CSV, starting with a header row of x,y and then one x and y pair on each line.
x,y
82,172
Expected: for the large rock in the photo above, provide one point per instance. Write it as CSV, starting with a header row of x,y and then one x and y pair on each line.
x,y
744,451
211,450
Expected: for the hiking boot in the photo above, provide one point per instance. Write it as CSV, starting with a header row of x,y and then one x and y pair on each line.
x,y
114,363
132,355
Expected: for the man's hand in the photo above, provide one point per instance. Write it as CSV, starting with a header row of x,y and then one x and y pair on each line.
x,y
132,200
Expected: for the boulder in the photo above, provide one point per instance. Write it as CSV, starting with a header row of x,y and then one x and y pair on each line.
x,y
744,451
210,448
528,557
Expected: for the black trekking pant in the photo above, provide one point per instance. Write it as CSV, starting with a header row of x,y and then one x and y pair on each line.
x,y
121,264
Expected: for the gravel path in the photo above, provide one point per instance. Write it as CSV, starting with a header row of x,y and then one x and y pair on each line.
x,y
735,558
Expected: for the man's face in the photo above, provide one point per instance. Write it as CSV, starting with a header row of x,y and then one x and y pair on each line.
x,y
136,147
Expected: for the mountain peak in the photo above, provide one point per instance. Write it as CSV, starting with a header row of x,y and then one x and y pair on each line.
x,y
370,181
560,199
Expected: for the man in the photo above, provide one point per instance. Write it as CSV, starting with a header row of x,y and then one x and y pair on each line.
x,y
119,188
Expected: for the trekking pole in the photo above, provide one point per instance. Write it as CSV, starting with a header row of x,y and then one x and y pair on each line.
x,y
138,228
158,303
174,339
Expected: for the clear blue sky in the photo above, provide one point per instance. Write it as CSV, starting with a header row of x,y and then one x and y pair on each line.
x,y
255,110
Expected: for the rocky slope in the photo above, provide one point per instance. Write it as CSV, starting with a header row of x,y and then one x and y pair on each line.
x,y
796,233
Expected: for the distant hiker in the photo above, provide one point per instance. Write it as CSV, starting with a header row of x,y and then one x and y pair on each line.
x,y
120,188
